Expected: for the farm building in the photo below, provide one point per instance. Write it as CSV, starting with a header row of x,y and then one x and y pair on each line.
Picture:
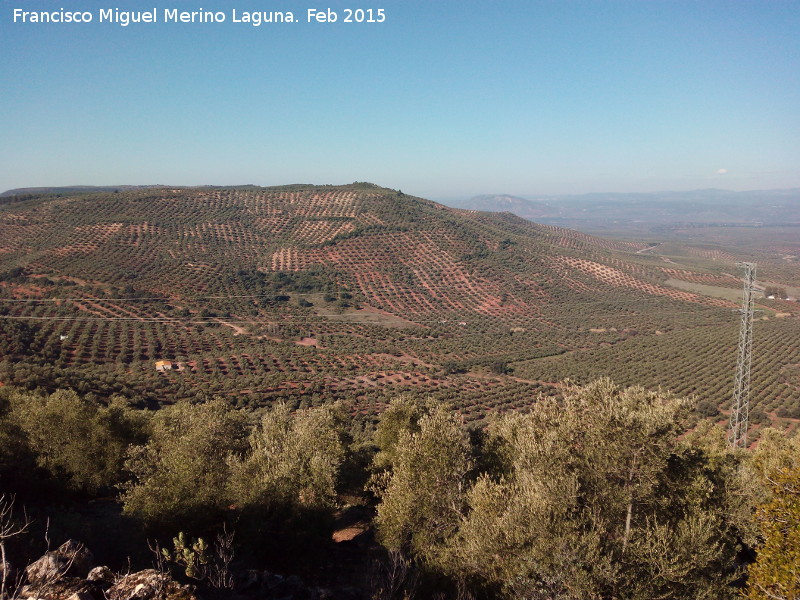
x,y
163,365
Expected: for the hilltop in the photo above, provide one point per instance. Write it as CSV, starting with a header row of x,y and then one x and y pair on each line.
x,y
310,293
73,189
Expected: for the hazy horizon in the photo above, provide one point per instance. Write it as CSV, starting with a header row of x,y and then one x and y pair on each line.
x,y
440,199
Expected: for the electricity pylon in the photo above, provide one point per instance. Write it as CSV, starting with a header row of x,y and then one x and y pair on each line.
x,y
740,404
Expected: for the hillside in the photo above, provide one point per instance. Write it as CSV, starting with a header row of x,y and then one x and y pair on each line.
x,y
360,292
759,225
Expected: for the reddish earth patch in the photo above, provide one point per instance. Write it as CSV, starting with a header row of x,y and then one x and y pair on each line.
x,y
26,291
350,533
618,278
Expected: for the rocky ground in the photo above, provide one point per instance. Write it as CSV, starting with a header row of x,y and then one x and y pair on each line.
x,y
70,573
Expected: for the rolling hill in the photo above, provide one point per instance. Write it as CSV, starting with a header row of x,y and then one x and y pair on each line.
x,y
311,293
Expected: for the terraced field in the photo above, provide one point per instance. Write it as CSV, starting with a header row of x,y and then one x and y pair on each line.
x,y
357,292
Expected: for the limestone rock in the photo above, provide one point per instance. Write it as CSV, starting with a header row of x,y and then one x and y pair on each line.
x,y
101,575
64,588
71,558
47,569
149,585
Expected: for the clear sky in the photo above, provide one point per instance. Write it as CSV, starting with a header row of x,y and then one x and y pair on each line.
x,y
445,98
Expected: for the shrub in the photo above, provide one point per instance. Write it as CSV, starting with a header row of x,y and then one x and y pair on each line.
x,y
181,474
291,460
75,439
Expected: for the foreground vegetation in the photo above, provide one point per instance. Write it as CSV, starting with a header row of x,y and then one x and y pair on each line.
x,y
600,494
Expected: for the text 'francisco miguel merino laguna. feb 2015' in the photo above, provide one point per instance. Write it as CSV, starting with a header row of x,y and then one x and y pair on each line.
x,y
174,15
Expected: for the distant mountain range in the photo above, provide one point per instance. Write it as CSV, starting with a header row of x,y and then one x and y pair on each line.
x,y
599,212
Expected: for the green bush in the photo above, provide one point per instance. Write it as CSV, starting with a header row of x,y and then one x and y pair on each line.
x,y
592,496
181,474
292,460
76,440
422,497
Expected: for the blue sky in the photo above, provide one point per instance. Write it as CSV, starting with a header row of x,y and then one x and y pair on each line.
x,y
443,99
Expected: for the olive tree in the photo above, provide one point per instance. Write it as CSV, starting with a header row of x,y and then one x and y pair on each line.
x,y
423,497
292,459
181,473
75,439
596,497
776,572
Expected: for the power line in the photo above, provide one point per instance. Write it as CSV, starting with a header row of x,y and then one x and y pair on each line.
x,y
639,303
530,322
290,293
